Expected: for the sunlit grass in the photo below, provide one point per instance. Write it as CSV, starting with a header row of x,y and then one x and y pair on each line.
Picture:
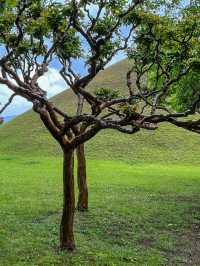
x,y
138,213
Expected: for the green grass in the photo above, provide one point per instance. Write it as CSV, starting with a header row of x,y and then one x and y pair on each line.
x,y
142,214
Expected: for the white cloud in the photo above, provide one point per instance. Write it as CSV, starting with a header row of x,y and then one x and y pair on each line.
x,y
50,82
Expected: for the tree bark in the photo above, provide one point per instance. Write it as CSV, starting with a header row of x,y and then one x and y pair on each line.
x,y
66,228
82,204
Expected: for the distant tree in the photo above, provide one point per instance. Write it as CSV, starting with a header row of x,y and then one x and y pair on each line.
x,y
35,33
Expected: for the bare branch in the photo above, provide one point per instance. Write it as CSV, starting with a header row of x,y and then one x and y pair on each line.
x,y
8,103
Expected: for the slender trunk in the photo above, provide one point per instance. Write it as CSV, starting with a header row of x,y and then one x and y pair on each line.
x,y
82,204
66,228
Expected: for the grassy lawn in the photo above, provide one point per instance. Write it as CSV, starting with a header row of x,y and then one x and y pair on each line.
x,y
142,214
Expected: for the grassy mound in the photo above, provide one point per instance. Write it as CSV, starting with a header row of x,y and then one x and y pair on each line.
x,y
26,135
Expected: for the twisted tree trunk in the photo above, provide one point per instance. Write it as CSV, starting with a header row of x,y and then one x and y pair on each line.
x,y
82,204
66,228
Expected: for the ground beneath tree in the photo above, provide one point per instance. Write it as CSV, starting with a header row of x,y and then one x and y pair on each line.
x,y
141,215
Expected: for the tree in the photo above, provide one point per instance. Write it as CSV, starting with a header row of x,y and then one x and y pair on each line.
x,y
82,204
34,33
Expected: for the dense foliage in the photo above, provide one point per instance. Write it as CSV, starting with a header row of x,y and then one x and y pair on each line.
x,y
166,53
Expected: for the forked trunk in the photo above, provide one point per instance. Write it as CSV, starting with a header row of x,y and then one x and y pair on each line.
x,y
82,204
66,228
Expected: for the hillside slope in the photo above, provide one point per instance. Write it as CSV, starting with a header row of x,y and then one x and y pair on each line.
x,y
26,136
